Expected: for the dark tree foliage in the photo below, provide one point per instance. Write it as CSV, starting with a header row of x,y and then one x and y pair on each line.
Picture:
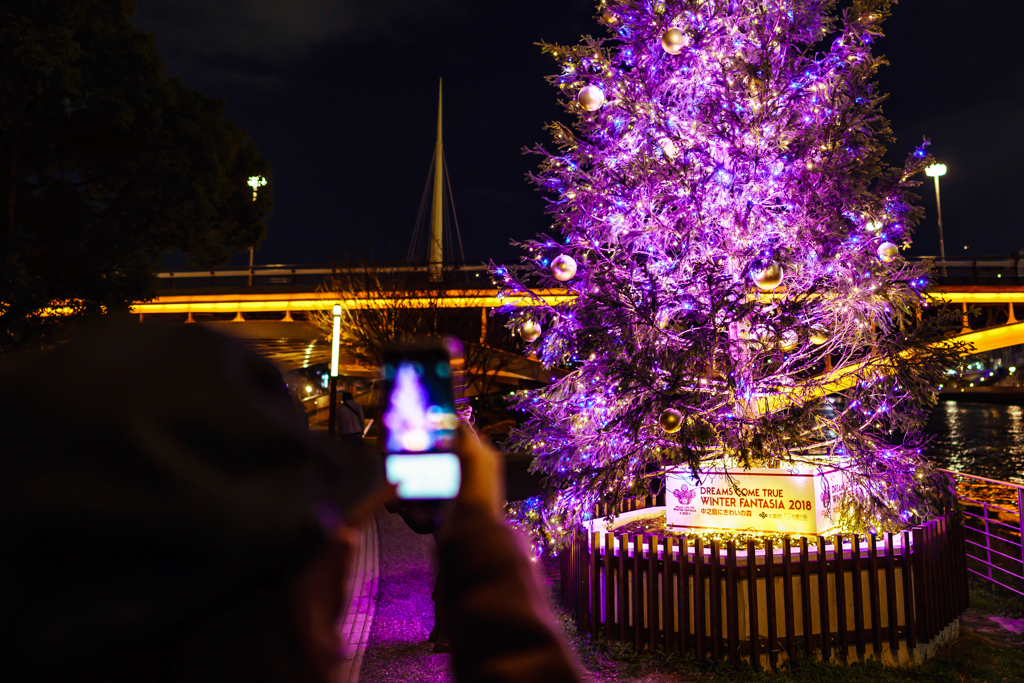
x,y
106,165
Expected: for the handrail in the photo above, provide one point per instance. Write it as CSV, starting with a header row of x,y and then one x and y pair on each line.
x,y
974,476
286,269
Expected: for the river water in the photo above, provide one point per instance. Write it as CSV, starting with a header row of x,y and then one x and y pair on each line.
x,y
978,438
982,439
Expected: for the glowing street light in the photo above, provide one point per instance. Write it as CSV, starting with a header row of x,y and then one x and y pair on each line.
x,y
255,182
335,341
936,171
258,181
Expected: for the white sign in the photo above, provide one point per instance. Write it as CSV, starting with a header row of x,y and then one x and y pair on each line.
x,y
759,499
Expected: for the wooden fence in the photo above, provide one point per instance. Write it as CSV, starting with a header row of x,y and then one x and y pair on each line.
x,y
895,598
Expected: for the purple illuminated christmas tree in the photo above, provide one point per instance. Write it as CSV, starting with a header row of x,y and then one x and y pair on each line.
x,y
732,235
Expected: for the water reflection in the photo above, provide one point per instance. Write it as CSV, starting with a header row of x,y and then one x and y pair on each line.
x,y
981,439
976,438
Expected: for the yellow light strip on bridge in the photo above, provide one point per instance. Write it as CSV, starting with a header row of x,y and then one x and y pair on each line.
x,y
994,337
843,378
958,297
309,301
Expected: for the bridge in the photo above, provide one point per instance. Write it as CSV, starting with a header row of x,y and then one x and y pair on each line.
x,y
275,302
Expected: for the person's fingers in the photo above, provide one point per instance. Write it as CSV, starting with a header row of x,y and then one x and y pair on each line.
x,y
482,481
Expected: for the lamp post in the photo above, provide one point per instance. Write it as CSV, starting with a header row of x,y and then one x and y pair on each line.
x,y
255,182
936,171
332,417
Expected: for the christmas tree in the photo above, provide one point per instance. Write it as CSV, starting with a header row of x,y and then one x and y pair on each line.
x,y
732,235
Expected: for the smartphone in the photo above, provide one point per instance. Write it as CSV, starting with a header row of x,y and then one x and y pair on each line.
x,y
419,420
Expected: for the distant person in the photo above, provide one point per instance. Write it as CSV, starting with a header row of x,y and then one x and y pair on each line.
x,y
350,421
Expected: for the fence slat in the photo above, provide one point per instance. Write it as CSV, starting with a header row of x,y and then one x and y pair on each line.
x,y
595,585
933,605
668,571
890,594
755,637
716,601
563,571
840,578
876,598
769,598
920,558
909,615
805,594
652,593
637,585
731,606
858,596
787,598
609,588
944,562
826,625
684,595
699,625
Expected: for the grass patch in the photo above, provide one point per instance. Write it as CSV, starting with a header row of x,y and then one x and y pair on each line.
x,y
984,653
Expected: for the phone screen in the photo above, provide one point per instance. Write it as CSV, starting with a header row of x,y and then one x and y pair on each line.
x,y
419,425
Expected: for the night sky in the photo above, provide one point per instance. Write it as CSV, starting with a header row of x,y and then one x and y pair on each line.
x,y
341,96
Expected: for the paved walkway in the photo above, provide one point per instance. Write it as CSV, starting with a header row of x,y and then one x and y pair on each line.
x,y
362,586
398,650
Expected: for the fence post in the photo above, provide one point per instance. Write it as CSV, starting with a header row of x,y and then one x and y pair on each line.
x,y
667,601
698,597
755,636
840,557
595,584
769,598
1020,521
909,582
919,558
609,585
652,593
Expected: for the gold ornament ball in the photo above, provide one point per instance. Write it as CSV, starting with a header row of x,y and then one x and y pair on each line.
x,y
818,337
563,268
673,41
788,341
887,252
671,420
608,18
768,277
591,98
530,330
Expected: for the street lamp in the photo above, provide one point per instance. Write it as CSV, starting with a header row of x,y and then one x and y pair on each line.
x,y
936,171
255,182
332,418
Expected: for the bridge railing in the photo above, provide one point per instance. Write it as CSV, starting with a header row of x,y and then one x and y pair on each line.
x,y
309,275
994,528
984,270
